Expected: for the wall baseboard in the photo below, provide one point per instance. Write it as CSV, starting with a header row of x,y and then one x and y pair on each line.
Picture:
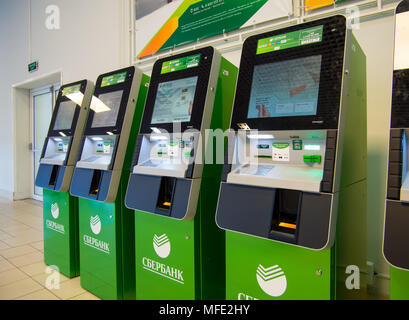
x,y
20,196
381,286
6,194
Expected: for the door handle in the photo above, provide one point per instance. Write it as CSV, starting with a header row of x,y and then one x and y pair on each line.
x,y
30,148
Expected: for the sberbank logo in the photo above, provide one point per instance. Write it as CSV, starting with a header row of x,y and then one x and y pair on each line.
x,y
55,211
52,225
163,270
96,243
95,223
161,245
272,280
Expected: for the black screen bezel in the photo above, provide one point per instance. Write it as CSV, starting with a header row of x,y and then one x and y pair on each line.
x,y
403,6
329,95
203,74
400,99
400,88
60,98
126,88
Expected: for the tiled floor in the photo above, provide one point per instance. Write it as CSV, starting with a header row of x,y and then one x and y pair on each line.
x,y
22,271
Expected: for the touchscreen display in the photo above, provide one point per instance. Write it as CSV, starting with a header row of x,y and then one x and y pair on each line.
x,y
106,109
285,89
174,101
65,115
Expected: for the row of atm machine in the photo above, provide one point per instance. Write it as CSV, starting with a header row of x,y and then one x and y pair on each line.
x,y
206,181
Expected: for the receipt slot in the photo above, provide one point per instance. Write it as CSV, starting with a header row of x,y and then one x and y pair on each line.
x,y
396,228
60,210
173,190
106,232
295,175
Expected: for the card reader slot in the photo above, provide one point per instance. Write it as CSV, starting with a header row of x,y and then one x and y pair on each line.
x,y
95,182
287,206
165,197
53,177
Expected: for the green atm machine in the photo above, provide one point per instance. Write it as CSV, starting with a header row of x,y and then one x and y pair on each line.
x,y
396,228
60,210
179,249
293,191
106,232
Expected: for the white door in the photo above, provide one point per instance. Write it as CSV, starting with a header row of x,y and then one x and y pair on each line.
x,y
42,105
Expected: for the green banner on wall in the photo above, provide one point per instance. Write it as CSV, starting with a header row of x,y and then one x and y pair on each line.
x,y
195,20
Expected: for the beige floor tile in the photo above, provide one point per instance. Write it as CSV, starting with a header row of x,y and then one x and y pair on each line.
x,y
17,251
23,214
7,211
31,233
15,229
69,289
27,259
4,235
36,225
9,221
39,295
39,245
34,269
19,289
34,202
85,296
15,214
11,276
16,242
22,240
29,220
22,269
5,265
3,245
42,277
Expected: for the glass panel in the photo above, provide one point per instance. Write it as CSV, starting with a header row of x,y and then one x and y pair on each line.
x,y
65,115
174,101
285,89
42,111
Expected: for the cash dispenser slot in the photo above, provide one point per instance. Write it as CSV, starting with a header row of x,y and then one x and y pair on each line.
x,y
95,182
287,206
165,197
53,176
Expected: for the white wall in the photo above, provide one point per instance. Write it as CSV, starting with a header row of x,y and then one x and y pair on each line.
x,y
91,40
14,59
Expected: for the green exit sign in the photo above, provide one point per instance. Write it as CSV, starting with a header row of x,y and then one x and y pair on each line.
x,y
33,66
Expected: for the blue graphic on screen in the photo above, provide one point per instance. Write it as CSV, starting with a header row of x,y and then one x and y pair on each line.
x,y
174,101
285,89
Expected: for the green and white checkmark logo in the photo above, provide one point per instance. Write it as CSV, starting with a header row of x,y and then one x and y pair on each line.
x,y
55,211
272,280
95,224
161,245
